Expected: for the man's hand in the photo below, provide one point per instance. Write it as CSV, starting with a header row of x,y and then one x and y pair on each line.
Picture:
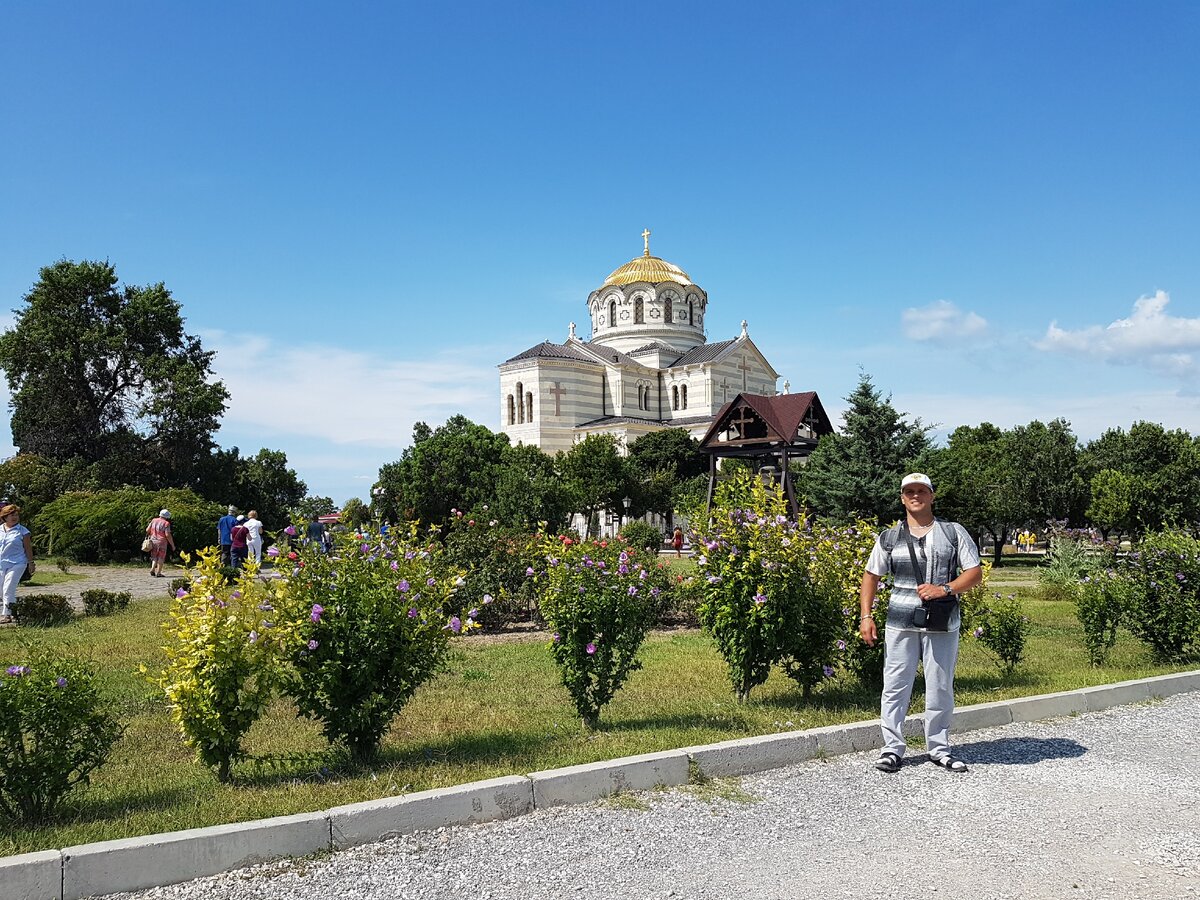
x,y
929,592
866,628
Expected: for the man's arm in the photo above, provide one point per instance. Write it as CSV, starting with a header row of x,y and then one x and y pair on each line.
x,y
866,599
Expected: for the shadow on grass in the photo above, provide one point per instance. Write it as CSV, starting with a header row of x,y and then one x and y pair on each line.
x,y
94,809
680,721
1018,751
994,681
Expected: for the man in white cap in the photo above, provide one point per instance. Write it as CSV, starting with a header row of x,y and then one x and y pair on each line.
x,y
931,562
225,535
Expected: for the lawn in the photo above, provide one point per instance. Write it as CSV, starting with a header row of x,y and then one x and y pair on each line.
x,y
498,710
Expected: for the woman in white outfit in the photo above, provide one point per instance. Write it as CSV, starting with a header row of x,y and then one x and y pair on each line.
x,y
16,552
255,541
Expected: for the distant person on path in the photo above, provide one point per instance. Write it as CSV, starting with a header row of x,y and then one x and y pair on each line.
x,y
16,554
316,534
929,560
159,532
677,542
224,534
239,537
255,541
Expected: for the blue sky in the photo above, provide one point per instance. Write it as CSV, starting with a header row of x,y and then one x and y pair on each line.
x,y
993,208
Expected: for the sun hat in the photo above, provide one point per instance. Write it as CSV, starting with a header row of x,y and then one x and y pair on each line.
x,y
232,509
164,513
916,478
241,518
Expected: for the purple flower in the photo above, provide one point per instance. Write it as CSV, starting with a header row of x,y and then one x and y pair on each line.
x,y
473,613
713,579
411,554
265,607
529,570
828,670
412,613
979,632
364,548
760,599
841,645
312,645
487,598
455,625
654,592
430,582
622,569
624,557
180,594
253,636
17,671
237,595
272,551
633,590
591,649
403,586
60,682
290,531
599,564
317,611
395,566
556,637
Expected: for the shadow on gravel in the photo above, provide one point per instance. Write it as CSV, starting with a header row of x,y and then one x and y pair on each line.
x,y
1019,751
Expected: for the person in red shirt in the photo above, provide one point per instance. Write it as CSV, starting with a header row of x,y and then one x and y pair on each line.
x,y
239,548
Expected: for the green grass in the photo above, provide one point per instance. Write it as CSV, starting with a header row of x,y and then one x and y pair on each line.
x,y
48,577
500,709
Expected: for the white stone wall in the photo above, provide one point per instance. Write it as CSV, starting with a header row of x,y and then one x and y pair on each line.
x,y
684,331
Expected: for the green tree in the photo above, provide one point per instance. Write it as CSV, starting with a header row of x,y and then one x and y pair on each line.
x,y
857,473
264,482
660,462
355,513
1115,498
311,507
106,374
596,475
452,467
529,490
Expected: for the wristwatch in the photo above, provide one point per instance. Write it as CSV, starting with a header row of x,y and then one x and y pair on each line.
x,y
949,590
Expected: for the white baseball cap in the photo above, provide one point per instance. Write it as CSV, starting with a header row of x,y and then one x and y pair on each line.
x,y
916,478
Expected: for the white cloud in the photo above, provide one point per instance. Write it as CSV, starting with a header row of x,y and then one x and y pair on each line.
x,y
939,320
1149,337
344,396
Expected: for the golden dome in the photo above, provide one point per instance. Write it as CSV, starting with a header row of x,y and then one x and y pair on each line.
x,y
647,268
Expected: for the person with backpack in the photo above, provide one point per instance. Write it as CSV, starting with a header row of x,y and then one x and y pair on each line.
x,y
931,562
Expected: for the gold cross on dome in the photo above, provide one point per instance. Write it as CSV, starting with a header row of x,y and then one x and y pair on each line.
x,y
646,240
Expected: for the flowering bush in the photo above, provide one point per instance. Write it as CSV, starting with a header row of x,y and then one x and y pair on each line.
x,y
1102,597
364,626
598,599
1073,553
54,732
643,536
762,603
1163,602
1002,627
493,560
222,653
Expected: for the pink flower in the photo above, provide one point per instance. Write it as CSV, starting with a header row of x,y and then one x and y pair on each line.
x,y
591,649
272,551
312,645
290,530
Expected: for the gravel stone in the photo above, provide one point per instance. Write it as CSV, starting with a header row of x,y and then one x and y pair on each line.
x,y
1097,806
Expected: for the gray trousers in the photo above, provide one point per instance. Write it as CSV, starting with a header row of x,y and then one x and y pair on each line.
x,y
903,650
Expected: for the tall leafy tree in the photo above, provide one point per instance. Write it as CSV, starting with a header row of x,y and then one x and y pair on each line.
x,y
596,475
857,472
1163,464
106,374
529,490
265,483
661,462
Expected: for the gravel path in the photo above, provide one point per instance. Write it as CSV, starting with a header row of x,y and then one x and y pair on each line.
x,y
1104,805
136,580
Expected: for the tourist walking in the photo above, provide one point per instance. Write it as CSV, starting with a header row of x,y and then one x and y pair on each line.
x,y
159,533
255,540
224,530
316,535
239,535
16,555
677,542
931,562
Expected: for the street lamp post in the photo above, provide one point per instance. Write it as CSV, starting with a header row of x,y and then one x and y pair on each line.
x,y
626,502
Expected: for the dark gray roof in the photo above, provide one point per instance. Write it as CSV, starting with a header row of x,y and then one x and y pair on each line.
x,y
608,354
656,345
634,420
548,350
703,353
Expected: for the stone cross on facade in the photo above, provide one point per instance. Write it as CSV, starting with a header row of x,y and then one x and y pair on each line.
x,y
724,390
557,393
745,369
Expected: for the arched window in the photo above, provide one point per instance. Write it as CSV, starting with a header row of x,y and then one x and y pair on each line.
x,y
529,406
520,405
674,393
667,314
691,312
512,410
612,313
637,311
683,397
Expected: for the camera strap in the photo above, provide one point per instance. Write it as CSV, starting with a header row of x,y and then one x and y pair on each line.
x,y
918,568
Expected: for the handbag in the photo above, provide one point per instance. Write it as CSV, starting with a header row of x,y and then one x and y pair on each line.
x,y
147,545
27,575
932,615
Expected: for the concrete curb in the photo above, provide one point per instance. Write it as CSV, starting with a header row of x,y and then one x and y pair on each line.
x,y
134,864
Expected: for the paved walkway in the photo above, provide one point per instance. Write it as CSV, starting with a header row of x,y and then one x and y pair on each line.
x,y
135,580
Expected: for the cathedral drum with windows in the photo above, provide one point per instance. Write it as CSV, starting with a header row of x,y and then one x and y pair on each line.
x,y
647,365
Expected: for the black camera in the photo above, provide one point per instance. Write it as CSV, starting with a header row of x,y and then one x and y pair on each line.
x,y
920,616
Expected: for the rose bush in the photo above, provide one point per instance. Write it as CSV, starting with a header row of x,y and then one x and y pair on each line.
x,y
1163,601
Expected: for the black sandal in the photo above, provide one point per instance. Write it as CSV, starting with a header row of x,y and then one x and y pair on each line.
x,y
888,762
950,764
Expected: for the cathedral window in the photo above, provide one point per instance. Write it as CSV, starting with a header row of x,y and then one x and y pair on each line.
x,y
529,406
520,405
667,314
691,313
674,393
638,318
512,410
612,312
683,397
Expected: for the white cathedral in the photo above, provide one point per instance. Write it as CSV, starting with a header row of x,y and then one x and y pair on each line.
x,y
647,365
